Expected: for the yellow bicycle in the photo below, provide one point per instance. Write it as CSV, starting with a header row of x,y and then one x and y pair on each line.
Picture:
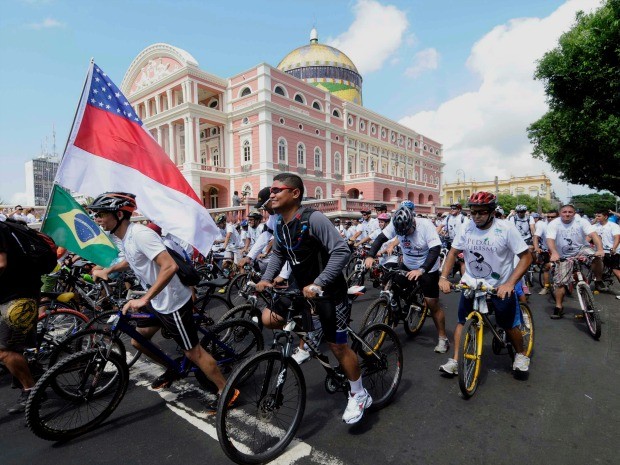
x,y
470,350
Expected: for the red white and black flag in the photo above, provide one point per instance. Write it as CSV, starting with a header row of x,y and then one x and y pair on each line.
x,y
109,149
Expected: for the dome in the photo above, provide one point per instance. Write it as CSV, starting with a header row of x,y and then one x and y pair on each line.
x,y
324,67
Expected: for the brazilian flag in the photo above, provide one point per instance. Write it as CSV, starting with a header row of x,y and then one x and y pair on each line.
x,y
71,227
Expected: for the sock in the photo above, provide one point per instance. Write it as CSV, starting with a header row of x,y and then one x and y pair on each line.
x,y
356,386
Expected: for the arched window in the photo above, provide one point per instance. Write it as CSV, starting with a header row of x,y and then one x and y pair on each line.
x,y
318,192
317,106
300,98
337,163
247,152
336,113
317,158
282,150
280,91
245,92
301,154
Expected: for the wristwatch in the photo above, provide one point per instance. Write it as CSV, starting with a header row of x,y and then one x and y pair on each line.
x,y
423,270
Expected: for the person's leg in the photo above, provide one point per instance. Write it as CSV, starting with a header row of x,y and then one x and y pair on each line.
x,y
148,333
17,365
207,365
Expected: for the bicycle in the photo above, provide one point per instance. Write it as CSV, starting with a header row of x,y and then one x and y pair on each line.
x,y
400,300
82,390
272,398
471,345
591,312
237,291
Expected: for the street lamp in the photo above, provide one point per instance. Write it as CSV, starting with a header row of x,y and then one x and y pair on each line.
x,y
460,171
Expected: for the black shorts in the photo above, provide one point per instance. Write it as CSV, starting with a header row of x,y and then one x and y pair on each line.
x,y
544,257
429,283
333,313
180,324
612,261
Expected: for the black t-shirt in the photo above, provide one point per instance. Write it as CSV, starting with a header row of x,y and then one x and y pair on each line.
x,y
17,280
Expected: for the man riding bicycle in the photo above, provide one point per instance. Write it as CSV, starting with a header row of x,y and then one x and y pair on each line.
x,y
489,246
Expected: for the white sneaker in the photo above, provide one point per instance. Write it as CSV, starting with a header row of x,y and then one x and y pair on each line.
x,y
300,355
618,297
450,368
442,345
356,406
521,363
544,291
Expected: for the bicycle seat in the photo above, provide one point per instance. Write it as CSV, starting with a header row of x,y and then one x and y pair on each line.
x,y
220,282
63,297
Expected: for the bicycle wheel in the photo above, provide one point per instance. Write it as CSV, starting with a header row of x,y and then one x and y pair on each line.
x,y
382,367
270,406
416,315
470,357
101,322
378,312
527,329
350,268
591,312
214,306
53,328
82,403
86,339
233,294
229,343
245,312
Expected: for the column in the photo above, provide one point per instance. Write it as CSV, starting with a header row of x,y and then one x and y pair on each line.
x,y
189,139
184,90
221,146
158,103
147,110
159,136
195,96
169,96
172,143
197,158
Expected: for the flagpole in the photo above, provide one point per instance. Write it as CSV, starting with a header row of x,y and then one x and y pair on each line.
x,y
47,208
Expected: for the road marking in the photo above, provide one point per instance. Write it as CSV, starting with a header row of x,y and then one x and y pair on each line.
x,y
143,372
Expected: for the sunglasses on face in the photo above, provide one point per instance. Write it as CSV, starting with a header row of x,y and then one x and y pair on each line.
x,y
277,190
480,213
101,214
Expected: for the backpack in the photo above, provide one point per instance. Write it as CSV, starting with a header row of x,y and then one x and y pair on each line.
x,y
38,249
187,273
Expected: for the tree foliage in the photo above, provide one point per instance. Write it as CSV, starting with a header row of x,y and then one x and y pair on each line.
x,y
580,134
591,203
509,202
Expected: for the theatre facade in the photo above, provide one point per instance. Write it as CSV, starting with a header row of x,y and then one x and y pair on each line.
x,y
304,116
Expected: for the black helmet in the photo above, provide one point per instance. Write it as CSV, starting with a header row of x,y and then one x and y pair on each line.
x,y
114,201
403,221
255,215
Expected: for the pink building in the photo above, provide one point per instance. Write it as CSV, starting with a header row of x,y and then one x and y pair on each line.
x,y
305,116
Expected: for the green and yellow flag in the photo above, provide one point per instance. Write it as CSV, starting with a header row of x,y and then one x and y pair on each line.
x,y
71,227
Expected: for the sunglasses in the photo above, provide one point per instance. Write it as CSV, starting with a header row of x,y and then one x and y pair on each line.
x,y
101,214
480,213
277,190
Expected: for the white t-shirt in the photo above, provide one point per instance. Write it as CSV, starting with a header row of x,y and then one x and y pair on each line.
x,y
541,232
142,245
607,233
490,253
452,224
234,236
569,238
252,234
415,246
523,225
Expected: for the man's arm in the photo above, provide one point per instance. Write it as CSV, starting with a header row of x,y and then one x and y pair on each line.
x,y
167,269
3,262
339,254
105,272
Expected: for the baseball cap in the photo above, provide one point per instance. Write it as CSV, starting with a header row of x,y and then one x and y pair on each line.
x,y
263,197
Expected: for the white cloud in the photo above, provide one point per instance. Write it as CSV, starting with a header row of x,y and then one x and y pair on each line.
x,y
424,60
374,36
47,23
484,131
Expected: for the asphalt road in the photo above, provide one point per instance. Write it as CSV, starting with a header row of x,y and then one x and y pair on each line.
x,y
565,412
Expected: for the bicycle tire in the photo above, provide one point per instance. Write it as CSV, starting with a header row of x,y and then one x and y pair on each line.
x,y
382,367
378,312
101,322
237,284
213,307
244,312
242,337
590,310
46,412
415,318
541,277
86,339
61,323
527,329
259,414
470,358
350,267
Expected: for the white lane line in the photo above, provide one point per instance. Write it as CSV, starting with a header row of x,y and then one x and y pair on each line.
x,y
144,372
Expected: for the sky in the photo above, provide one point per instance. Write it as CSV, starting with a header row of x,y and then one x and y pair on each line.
x,y
458,71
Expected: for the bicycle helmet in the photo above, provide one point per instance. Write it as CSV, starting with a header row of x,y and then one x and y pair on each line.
x,y
456,205
244,223
114,201
337,221
408,203
520,208
482,199
384,217
220,219
255,215
499,211
403,221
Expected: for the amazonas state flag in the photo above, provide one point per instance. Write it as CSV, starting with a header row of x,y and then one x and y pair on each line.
x,y
109,149
71,227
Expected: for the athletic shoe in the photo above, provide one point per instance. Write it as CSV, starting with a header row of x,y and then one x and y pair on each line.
x,y
165,380
521,363
618,297
526,290
20,405
300,355
442,345
212,404
450,368
356,406
544,291
557,313
600,286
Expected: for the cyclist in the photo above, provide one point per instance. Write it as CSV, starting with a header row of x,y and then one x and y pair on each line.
x,y
365,228
610,237
489,246
455,220
541,249
147,256
255,228
567,238
524,224
420,246
19,292
308,241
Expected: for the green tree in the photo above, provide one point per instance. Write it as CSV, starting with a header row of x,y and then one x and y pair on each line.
x,y
591,203
509,202
580,134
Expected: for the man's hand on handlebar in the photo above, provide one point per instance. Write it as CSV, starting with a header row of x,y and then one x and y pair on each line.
x,y
262,285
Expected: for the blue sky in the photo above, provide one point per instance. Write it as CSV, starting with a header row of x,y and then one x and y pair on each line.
x,y
456,70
